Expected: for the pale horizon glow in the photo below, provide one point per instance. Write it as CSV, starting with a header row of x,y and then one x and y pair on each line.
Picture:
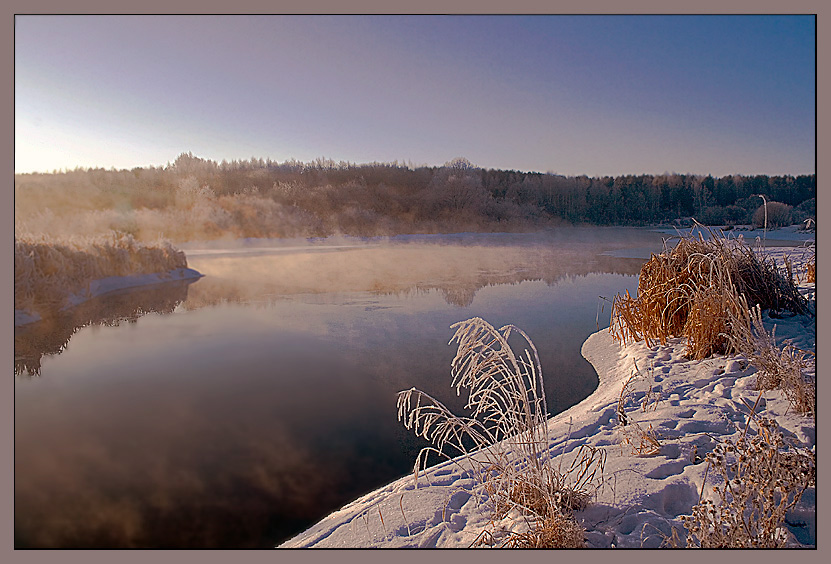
x,y
573,95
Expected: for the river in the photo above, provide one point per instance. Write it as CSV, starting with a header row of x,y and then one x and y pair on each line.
x,y
236,410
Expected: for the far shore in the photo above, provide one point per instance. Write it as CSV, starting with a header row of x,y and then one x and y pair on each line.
x,y
110,284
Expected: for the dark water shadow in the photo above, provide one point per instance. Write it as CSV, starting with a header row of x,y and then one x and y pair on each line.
x,y
268,400
51,335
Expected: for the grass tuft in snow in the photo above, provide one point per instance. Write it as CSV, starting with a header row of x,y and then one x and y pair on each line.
x,y
505,439
698,290
761,479
784,369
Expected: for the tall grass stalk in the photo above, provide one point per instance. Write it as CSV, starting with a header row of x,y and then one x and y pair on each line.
x,y
504,441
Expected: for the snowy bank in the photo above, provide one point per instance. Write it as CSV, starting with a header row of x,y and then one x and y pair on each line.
x,y
112,284
690,407
791,234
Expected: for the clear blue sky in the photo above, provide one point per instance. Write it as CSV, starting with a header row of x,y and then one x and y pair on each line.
x,y
573,95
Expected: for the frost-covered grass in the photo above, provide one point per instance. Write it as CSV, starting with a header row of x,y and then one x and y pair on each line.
x,y
762,477
700,289
50,273
668,470
503,443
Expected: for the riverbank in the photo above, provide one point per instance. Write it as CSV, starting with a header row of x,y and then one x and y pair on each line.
x,y
682,407
110,284
791,235
54,274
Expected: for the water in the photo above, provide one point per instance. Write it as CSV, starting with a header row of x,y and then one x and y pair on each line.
x,y
237,410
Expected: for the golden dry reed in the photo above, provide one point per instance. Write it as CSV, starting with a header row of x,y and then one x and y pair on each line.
x,y
698,289
811,268
47,272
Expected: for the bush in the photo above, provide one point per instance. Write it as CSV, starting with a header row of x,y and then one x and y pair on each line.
x,y
808,207
713,215
778,215
803,212
737,215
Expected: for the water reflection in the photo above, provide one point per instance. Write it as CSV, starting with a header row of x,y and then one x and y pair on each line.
x,y
456,266
267,399
52,334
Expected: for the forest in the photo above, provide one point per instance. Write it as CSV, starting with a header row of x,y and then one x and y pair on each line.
x,y
199,199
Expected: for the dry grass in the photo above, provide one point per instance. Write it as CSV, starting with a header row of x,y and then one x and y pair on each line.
x,y
802,269
762,478
555,531
698,290
809,274
47,272
643,441
782,368
505,440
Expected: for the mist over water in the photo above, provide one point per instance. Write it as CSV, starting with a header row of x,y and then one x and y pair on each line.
x,y
237,410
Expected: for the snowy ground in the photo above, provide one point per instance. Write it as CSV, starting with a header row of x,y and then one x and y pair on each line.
x,y
112,284
641,498
791,233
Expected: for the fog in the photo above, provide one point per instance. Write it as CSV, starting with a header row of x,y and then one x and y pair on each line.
x,y
237,409
197,200
260,272
457,266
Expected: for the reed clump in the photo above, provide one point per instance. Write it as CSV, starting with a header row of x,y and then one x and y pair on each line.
x,y
47,272
504,442
699,289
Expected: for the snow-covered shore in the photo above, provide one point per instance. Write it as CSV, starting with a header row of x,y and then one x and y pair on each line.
x,y
111,284
641,498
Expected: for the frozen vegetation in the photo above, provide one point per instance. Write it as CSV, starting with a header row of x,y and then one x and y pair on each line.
x,y
668,451
51,275
195,199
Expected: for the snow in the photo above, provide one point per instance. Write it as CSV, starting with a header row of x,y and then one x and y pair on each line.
x,y
641,498
792,233
778,241
111,284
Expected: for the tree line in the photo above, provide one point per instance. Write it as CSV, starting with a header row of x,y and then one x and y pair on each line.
x,y
263,198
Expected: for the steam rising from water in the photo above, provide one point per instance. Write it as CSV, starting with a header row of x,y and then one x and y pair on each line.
x,y
457,266
255,400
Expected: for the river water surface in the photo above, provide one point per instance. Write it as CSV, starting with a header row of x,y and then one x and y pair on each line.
x,y
239,409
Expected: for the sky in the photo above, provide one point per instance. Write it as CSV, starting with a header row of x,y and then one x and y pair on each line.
x,y
573,95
